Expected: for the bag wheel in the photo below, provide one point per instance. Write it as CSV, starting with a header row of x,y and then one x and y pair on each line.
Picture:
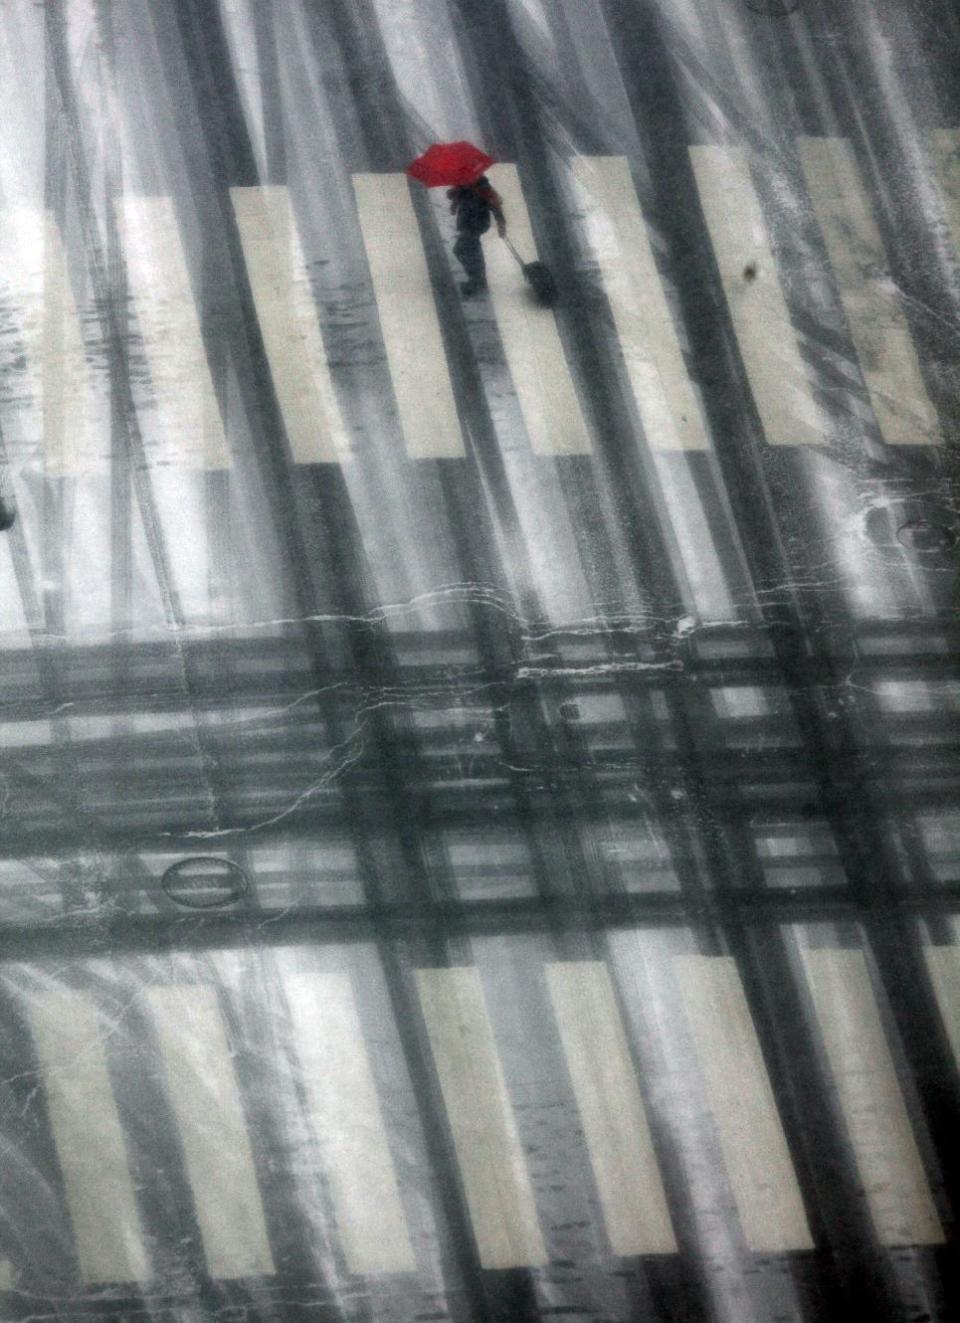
x,y
541,281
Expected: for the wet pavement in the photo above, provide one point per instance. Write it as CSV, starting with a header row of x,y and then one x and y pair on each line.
x,y
479,819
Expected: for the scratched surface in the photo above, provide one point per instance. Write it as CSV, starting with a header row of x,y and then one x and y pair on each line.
x,y
479,782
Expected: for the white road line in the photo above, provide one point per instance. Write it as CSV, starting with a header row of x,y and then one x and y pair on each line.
x,y
495,1179
289,325
943,963
871,301
946,152
667,401
531,340
872,1104
778,376
408,317
611,1108
75,435
206,1103
751,1135
88,1136
348,1123
191,429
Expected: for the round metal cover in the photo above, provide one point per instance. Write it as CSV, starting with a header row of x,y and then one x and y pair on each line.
x,y
927,538
204,882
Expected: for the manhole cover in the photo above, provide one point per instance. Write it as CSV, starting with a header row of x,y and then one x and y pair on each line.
x,y
926,538
204,882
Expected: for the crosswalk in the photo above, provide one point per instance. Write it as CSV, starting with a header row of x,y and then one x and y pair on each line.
x,y
549,401
183,421
871,300
202,1088
68,1035
347,1119
667,400
356,1130
409,320
751,1134
870,1098
289,325
189,430
779,379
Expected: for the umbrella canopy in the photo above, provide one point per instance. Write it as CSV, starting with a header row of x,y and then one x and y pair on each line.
x,y
450,163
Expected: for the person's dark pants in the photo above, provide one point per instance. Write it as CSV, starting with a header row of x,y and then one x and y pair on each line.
x,y
469,254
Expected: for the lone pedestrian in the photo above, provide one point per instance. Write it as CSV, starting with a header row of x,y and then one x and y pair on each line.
x,y
473,205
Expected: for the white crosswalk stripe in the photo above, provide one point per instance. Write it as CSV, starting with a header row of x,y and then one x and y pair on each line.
x,y
495,1179
72,416
872,302
88,1135
871,1100
667,401
408,317
745,1112
943,963
190,431
289,325
203,1092
779,379
611,1108
531,340
348,1123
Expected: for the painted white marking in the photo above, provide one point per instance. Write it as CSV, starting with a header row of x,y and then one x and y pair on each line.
x,y
495,1179
667,401
872,302
778,377
288,321
531,340
611,1108
346,1116
751,1135
943,963
75,436
206,1103
946,153
408,317
191,428
88,1136
871,1101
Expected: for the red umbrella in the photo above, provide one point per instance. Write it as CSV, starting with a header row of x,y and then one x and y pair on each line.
x,y
450,163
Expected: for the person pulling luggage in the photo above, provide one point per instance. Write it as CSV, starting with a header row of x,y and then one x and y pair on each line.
x,y
473,205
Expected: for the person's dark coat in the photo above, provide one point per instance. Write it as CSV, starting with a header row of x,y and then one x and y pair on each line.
x,y
474,204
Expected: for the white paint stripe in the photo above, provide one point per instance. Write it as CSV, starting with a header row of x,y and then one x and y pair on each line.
x,y
206,1102
408,317
531,340
667,401
946,152
871,301
943,963
495,1179
88,1137
873,1108
778,376
68,424
346,1116
751,1136
191,427
289,325
611,1108
74,438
